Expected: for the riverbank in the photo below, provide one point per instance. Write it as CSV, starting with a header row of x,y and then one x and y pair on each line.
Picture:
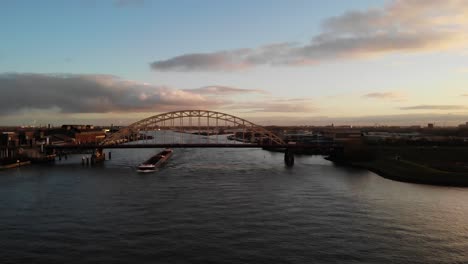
x,y
14,165
441,166
407,171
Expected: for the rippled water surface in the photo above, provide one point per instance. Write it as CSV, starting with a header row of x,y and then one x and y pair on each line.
x,y
225,206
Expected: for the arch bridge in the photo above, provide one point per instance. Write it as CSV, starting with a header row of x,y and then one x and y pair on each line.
x,y
195,129
203,123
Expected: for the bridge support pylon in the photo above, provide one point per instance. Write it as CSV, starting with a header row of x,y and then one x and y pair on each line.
x,y
289,158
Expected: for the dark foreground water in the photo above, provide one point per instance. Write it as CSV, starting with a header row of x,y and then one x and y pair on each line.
x,y
225,206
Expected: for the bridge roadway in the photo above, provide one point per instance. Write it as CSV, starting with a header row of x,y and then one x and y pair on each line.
x,y
289,149
195,145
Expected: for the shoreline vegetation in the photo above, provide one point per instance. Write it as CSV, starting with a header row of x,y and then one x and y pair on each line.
x,y
446,166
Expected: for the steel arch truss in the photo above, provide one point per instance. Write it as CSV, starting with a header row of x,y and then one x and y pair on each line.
x,y
155,122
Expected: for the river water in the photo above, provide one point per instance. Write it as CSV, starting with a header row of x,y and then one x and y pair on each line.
x,y
225,206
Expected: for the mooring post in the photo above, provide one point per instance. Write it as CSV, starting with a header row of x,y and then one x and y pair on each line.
x,y
289,158
110,155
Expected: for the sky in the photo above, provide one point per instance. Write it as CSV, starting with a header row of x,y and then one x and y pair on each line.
x,y
298,62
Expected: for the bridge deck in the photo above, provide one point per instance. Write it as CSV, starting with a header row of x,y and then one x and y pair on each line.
x,y
168,145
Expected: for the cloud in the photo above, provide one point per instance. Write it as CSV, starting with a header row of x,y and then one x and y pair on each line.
x,y
401,26
223,90
375,120
223,60
49,94
395,96
69,93
275,105
434,107
465,95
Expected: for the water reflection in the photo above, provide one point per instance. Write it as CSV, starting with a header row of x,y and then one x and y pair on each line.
x,y
225,205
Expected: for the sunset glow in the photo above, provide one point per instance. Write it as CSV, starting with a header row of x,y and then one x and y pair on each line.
x,y
306,63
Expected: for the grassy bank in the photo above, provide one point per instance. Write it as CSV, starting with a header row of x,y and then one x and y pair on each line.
x,y
408,171
438,166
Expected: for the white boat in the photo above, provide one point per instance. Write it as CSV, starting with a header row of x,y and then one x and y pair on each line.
x,y
155,161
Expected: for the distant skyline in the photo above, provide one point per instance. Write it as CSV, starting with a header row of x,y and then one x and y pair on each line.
x,y
273,62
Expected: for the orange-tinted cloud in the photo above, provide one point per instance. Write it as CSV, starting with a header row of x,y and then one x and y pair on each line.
x,y
394,96
274,105
434,107
105,94
403,26
223,90
70,93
